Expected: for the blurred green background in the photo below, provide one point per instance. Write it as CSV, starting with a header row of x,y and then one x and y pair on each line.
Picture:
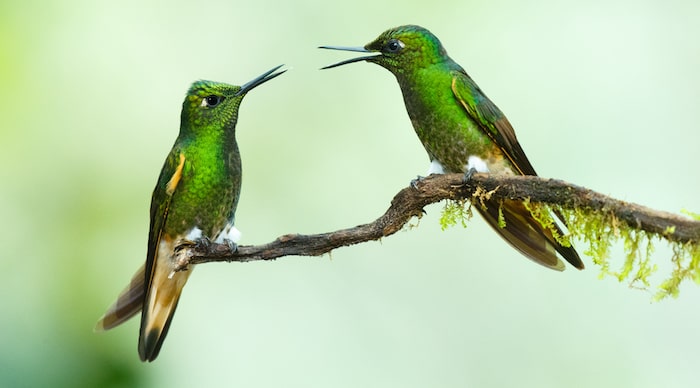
x,y
601,93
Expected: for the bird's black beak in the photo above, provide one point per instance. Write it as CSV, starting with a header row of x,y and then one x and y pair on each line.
x,y
345,62
261,79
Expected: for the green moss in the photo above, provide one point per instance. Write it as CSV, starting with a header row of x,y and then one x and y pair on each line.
x,y
600,232
501,218
685,266
455,212
695,216
544,215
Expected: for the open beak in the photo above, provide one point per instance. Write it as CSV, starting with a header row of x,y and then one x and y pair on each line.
x,y
261,79
345,62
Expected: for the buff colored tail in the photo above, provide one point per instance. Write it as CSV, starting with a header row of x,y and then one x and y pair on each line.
x,y
161,302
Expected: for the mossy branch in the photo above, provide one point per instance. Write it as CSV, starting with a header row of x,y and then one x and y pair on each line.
x,y
591,216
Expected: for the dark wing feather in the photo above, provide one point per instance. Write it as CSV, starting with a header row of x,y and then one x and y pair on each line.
x,y
131,299
522,231
491,120
162,290
160,204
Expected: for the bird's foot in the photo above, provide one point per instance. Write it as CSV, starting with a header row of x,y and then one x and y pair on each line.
x,y
183,253
414,182
232,246
203,243
468,175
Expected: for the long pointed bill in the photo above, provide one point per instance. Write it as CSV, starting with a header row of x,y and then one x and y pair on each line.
x,y
261,79
345,62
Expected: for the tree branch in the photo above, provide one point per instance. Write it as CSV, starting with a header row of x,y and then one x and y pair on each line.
x,y
410,202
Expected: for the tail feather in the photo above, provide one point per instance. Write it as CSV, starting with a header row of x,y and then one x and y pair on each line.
x,y
527,235
128,304
569,253
161,302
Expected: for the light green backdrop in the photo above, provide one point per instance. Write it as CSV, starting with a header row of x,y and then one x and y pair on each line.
x,y
601,93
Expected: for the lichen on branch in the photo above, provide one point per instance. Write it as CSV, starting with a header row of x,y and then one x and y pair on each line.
x,y
593,218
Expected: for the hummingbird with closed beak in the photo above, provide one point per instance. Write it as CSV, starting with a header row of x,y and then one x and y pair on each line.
x,y
194,200
463,131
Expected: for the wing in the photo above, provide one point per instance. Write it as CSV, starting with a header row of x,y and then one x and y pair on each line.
x,y
522,231
170,176
131,299
162,287
491,120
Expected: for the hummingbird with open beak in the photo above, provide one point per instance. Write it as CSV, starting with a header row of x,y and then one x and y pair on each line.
x,y
195,199
463,131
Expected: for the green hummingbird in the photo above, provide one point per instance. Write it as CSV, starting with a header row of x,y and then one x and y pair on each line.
x,y
195,199
462,131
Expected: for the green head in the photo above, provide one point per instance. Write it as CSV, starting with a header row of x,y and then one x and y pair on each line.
x,y
399,50
213,104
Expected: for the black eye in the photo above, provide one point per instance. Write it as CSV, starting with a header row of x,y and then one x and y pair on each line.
x,y
394,46
212,101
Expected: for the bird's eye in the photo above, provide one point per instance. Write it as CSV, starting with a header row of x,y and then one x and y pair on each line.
x,y
394,46
212,101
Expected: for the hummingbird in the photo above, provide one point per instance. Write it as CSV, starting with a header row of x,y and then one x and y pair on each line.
x,y
463,131
195,199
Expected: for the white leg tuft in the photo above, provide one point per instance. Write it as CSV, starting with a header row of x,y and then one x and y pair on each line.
x,y
435,168
477,163
194,234
229,233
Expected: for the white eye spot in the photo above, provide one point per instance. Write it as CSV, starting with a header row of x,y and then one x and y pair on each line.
x,y
394,46
211,101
